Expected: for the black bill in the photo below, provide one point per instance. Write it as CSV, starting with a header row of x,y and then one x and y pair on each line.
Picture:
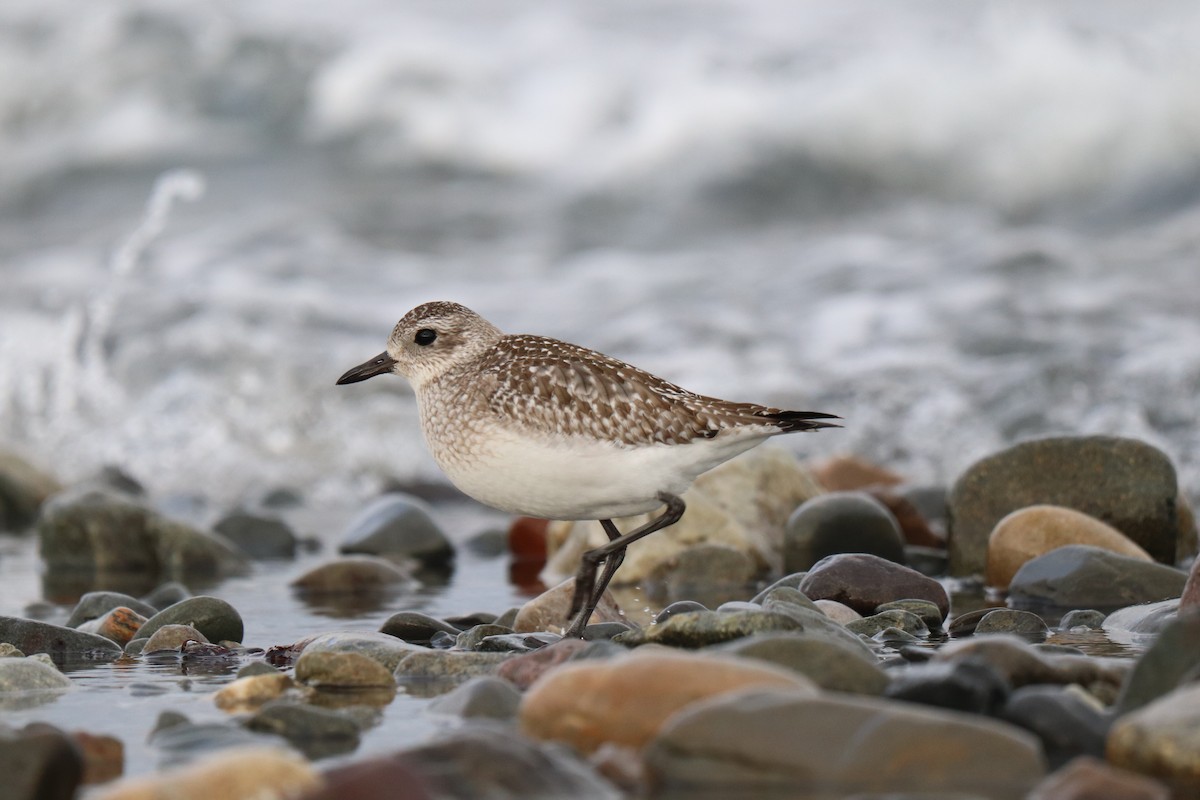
x,y
376,366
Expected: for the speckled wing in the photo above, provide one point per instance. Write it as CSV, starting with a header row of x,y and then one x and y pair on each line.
x,y
553,387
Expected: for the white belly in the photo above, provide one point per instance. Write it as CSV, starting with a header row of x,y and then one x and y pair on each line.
x,y
578,478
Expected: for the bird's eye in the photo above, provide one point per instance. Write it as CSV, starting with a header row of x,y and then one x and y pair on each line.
x,y
425,336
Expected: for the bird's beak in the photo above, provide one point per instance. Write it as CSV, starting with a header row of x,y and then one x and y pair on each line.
x,y
376,366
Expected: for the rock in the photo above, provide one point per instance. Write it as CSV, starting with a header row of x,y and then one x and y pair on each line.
x,y
626,700
1123,482
524,669
1139,624
256,668
28,682
259,772
526,539
172,637
702,628
1068,722
1021,664
398,525
103,757
257,535
387,650
426,673
121,625
1088,618
39,762
252,692
840,522
23,489
815,625
708,573
1034,531
1162,739
354,575
111,536
838,612
928,611
211,616
484,696
30,636
678,607
548,611
844,744
914,528
325,670
905,621
415,627
362,779
1188,543
847,473
471,639
829,664
1086,778
1168,663
1007,620
964,624
968,685
929,561
1079,576
166,594
863,582
96,604
1191,590
490,543
315,732
8,651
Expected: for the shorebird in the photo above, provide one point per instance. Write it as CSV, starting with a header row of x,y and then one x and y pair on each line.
x,y
542,428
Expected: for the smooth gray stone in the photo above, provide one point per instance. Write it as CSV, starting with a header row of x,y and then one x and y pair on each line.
x,y
387,650
828,663
415,627
1068,725
39,762
1080,576
30,636
904,621
970,685
258,536
1171,660
483,696
1008,620
398,524
316,732
94,605
840,522
212,616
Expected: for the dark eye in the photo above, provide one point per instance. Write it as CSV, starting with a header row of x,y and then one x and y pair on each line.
x,y
425,336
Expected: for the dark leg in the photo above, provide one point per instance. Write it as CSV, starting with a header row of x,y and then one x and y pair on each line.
x,y
588,590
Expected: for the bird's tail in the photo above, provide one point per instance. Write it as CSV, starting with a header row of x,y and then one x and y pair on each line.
x,y
788,421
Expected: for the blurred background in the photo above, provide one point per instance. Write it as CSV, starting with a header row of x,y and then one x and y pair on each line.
x,y
956,225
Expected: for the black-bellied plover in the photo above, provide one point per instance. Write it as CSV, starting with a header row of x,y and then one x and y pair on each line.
x,y
543,428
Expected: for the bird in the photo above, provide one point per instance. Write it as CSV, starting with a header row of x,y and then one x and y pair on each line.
x,y
538,427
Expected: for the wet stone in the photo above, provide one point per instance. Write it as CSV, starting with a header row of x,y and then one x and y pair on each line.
x,y
8,651
904,621
840,613
39,762
29,675
1169,662
1147,618
432,672
965,624
415,627
521,671
1007,620
1162,738
829,664
31,637
354,575
927,611
1068,723
1022,663
256,668
484,696
695,629
315,732
121,625
398,525
167,594
708,573
864,582
103,757
470,640
815,624
252,770
465,622
517,642
341,671
172,637
211,616
840,522
1087,778
1079,576
679,607
969,685
549,611
604,631
252,691
257,535
387,650
1082,618
791,581
96,604
787,594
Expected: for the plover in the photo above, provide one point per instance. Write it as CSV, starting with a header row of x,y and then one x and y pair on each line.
x,y
539,427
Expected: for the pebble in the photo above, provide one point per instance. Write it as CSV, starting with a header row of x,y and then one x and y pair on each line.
x,y
172,637
387,650
524,642
1069,722
901,620
39,762
1127,483
354,575
415,627
105,534
696,629
1034,531
23,489
1169,662
427,673
838,612
8,651
1162,738
548,611
815,625
1191,590
829,664
471,639
30,636
211,616
1080,576
914,528
1087,778
791,581
167,594
864,582
1022,664
28,682
964,624
969,685
678,607
315,732
96,604
484,696
847,473
710,574
121,625
626,700
929,613
398,524
259,772
847,745
103,757
1088,618
521,671
929,561
840,522
326,670
252,691
1008,620
258,535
